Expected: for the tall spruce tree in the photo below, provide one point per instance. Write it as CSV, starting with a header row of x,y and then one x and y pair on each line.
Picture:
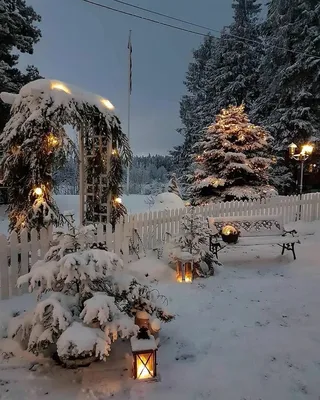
x,y
228,165
289,104
224,72
18,32
232,74
193,118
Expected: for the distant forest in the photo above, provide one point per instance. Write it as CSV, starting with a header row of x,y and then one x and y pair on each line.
x,y
148,175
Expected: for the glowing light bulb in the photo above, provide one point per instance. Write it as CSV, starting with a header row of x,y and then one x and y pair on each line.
x,y
118,200
107,104
38,191
52,140
114,152
307,149
60,86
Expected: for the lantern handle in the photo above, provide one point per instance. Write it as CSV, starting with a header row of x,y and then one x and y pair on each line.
x,y
160,296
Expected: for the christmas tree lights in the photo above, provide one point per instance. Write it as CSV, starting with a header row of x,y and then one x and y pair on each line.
x,y
230,161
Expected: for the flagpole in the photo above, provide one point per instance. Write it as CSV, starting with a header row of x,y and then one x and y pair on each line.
x,y
129,101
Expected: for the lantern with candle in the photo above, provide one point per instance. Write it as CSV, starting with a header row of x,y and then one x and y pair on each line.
x,y
229,234
184,267
144,349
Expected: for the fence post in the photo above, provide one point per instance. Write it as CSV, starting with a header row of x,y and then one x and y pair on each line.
x,y
14,262
4,268
125,240
24,251
118,237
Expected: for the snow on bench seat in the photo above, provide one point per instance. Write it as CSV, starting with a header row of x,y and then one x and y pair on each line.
x,y
262,240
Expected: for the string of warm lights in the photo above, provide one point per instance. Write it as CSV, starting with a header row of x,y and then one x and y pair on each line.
x,y
228,155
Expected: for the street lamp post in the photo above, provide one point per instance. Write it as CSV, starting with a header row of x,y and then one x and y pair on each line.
x,y
302,157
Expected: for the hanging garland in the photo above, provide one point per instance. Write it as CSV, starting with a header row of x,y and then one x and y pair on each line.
x,y
34,141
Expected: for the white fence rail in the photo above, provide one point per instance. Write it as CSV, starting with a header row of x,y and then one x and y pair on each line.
x,y
18,254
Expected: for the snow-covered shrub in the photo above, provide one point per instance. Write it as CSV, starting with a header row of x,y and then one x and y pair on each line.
x,y
167,201
91,302
194,239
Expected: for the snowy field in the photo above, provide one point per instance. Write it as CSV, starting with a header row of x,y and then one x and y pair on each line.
x,y
251,332
135,204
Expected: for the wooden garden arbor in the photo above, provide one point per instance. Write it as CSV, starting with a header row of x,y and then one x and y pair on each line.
x,y
35,139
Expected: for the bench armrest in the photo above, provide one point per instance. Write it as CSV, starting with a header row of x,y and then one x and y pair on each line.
x,y
214,236
292,232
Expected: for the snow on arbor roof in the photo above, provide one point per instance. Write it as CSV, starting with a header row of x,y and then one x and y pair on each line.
x,y
49,98
62,93
8,98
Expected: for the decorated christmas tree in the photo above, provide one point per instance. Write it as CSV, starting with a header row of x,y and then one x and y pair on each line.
x,y
230,161
173,186
89,301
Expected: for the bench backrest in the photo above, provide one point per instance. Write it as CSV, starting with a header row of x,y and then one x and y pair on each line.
x,y
259,225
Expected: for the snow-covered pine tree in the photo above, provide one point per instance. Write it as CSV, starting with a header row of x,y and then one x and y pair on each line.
x,y
232,74
224,72
192,105
173,186
90,301
20,34
288,105
194,239
230,164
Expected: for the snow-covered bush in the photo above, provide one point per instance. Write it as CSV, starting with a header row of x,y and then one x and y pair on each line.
x,y
92,301
194,239
167,201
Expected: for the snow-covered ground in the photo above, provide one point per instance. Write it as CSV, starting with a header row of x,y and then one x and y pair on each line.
x,y
250,332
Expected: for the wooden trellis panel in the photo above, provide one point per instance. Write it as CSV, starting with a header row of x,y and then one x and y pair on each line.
x,y
97,151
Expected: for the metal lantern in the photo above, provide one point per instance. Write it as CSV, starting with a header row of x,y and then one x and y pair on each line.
x,y
292,149
307,149
184,268
144,353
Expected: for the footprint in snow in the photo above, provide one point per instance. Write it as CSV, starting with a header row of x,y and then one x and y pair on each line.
x,y
300,387
262,324
186,357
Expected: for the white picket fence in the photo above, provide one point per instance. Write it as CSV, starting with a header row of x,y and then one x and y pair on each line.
x,y
147,230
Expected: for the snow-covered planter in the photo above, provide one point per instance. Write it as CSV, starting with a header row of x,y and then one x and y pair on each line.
x,y
90,301
229,234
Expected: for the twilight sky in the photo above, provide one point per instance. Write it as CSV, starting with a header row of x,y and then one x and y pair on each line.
x,y
87,46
